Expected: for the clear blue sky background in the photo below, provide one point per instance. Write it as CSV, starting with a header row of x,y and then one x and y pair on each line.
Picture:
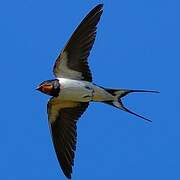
x,y
137,46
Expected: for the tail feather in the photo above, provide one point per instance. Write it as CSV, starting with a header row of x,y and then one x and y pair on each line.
x,y
119,93
131,112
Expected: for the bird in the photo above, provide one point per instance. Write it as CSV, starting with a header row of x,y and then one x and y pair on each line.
x,y
72,90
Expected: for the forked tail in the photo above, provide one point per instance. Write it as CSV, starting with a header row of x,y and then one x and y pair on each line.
x,y
119,93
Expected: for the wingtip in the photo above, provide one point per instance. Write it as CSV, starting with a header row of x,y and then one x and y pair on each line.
x,y
68,176
99,6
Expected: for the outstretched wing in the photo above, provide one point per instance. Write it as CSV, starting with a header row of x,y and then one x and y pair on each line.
x,y
63,117
72,62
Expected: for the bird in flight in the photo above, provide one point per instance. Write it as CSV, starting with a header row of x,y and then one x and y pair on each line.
x,y
72,90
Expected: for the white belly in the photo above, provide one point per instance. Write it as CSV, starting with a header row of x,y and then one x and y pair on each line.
x,y
74,90
82,91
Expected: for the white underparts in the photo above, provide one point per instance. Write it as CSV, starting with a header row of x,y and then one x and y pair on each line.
x,y
82,91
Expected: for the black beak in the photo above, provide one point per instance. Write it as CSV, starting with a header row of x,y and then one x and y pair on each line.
x,y
38,88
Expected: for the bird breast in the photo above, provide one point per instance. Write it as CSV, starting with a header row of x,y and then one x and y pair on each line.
x,y
82,91
75,90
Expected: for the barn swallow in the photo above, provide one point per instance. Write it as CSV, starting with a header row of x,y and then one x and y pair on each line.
x,y
72,90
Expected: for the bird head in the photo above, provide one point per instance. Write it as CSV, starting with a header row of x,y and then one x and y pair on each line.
x,y
50,87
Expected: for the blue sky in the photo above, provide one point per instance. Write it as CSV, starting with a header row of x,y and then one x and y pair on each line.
x,y
137,47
